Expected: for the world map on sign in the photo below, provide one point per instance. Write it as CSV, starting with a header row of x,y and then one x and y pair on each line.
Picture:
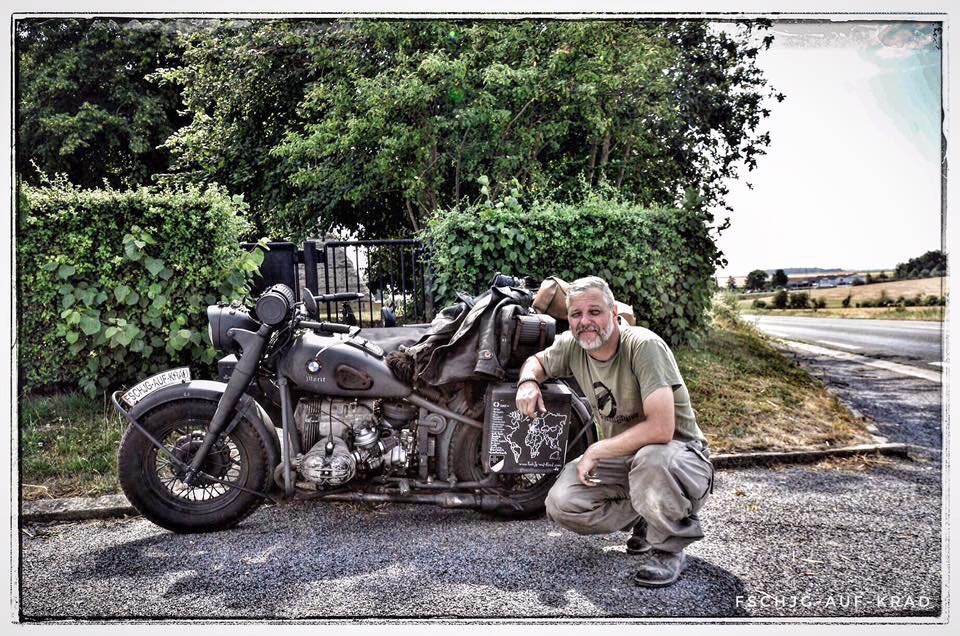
x,y
540,436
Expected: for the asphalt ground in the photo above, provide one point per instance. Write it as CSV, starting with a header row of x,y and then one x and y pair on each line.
x,y
791,542
903,408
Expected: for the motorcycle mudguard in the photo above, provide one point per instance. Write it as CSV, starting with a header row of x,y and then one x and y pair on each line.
x,y
212,391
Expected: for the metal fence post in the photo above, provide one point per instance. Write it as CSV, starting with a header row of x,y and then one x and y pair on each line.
x,y
310,265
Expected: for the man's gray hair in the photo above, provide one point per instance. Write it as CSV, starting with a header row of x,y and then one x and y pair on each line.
x,y
581,285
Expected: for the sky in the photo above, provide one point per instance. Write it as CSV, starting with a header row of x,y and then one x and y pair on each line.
x,y
851,178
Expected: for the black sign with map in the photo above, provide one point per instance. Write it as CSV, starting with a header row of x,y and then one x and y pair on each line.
x,y
513,443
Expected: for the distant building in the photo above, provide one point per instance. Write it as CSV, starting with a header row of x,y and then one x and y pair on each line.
x,y
846,281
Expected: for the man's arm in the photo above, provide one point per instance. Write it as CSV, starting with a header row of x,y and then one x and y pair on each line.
x,y
657,428
529,398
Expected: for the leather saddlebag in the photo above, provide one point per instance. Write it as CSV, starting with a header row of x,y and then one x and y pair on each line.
x,y
551,298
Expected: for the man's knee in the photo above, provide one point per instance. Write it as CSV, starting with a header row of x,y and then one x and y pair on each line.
x,y
653,457
569,508
563,509
660,487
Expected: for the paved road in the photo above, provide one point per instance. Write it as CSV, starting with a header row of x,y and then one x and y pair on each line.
x,y
907,341
903,397
903,407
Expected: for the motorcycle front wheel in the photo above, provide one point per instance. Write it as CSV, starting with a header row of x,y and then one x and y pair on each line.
x,y
153,483
527,492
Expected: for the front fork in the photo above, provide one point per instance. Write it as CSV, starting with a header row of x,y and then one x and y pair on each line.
x,y
253,345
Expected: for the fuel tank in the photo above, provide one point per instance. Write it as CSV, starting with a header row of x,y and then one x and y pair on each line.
x,y
345,367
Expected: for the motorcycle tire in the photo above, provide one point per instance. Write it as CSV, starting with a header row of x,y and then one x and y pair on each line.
x,y
151,481
527,493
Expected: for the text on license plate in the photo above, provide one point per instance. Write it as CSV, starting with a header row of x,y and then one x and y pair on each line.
x,y
153,383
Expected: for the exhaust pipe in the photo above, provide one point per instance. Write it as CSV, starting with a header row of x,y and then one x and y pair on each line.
x,y
469,501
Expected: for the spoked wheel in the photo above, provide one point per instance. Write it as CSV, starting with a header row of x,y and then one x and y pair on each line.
x,y
528,491
155,485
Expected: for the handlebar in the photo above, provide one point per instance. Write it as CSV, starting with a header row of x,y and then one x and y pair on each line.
x,y
310,302
330,327
339,296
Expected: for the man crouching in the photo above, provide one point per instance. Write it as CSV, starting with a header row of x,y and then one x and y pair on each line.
x,y
650,468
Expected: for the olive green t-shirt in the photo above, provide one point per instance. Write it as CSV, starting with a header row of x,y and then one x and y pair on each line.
x,y
616,388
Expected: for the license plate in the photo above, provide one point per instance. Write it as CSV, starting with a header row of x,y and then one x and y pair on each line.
x,y
155,383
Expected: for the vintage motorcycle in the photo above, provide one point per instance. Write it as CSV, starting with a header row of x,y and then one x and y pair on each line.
x,y
201,455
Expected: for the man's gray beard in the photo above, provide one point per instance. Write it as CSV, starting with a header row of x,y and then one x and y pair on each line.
x,y
599,342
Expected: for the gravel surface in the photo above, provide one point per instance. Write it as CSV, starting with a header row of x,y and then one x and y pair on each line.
x,y
793,542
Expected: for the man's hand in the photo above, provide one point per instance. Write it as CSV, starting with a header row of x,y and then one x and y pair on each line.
x,y
585,466
530,400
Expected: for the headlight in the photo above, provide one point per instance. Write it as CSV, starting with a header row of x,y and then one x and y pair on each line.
x,y
274,305
222,318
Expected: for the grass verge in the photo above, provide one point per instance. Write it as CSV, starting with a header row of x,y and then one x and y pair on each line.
x,y
747,395
68,446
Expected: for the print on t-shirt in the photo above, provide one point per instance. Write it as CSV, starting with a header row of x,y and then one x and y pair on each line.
x,y
606,403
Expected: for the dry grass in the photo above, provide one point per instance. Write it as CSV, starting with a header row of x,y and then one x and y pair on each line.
x,y
81,486
750,397
854,464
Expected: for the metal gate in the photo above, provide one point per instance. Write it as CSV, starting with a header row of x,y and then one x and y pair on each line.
x,y
392,275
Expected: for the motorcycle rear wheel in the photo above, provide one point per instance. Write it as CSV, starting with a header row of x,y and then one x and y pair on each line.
x,y
152,482
527,492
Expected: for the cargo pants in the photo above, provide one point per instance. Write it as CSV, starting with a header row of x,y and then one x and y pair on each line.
x,y
666,484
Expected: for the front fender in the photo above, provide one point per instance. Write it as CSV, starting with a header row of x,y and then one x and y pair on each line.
x,y
213,391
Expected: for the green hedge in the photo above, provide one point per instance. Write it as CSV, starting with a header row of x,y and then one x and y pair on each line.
x,y
113,285
660,261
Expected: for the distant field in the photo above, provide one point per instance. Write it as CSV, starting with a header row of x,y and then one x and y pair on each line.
x,y
906,288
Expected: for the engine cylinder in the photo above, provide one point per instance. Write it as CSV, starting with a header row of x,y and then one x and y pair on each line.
x,y
329,463
398,414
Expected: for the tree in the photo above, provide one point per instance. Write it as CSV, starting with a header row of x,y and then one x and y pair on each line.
x,y
242,84
375,125
780,299
731,283
756,280
85,106
932,260
799,300
779,279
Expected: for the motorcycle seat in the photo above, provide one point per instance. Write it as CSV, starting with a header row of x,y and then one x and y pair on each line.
x,y
392,338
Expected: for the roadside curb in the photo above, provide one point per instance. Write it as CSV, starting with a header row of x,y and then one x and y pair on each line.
x,y
744,460
113,506
76,508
